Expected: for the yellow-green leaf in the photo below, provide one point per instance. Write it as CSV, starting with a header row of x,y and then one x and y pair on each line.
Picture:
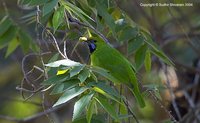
x,y
12,46
147,61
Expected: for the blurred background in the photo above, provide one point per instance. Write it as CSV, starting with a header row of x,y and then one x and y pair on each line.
x,y
175,29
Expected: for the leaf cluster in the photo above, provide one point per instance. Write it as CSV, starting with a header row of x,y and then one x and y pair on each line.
x,y
78,80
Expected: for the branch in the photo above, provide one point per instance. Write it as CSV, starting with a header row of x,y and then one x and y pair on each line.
x,y
161,105
129,109
56,44
71,19
30,118
191,104
175,37
189,41
187,67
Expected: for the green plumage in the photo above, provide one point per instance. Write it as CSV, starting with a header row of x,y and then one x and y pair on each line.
x,y
112,60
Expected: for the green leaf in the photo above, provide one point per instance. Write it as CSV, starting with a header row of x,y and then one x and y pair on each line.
x,y
91,3
123,109
76,11
154,86
8,36
156,50
25,1
125,116
76,70
104,73
99,90
66,85
5,23
25,40
100,25
90,111
162,56
58,88
64,62
69,94
157,93
105,87
37,2
81,104
135,43
93,76
33,45
120,25
128,33
72,35
12,46
46,18
99,118
108,107
102,11
47,8
85,6
56,79
149,41
147,61
83,75
58,17
54,57
140,56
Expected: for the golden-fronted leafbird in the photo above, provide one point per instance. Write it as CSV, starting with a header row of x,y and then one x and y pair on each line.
x,y
107,57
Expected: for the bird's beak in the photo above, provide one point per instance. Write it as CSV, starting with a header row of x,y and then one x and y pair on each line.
x,y
83,39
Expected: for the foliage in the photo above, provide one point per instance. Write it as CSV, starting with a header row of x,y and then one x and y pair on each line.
x,y
89,84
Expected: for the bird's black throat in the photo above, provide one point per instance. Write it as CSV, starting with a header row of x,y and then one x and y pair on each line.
x,y
92,46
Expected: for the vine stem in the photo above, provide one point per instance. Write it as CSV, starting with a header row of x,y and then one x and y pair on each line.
x,y
162,106
130,110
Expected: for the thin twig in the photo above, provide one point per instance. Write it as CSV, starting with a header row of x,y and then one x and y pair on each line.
x,y
25,73
191,104
189,41
161,105
56,44
196,82
187,67
30,91
172,38
79,56
30,118
5,7
64,47
71,19
129,109
190,114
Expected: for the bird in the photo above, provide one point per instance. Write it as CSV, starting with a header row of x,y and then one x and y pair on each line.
x,y
105,56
